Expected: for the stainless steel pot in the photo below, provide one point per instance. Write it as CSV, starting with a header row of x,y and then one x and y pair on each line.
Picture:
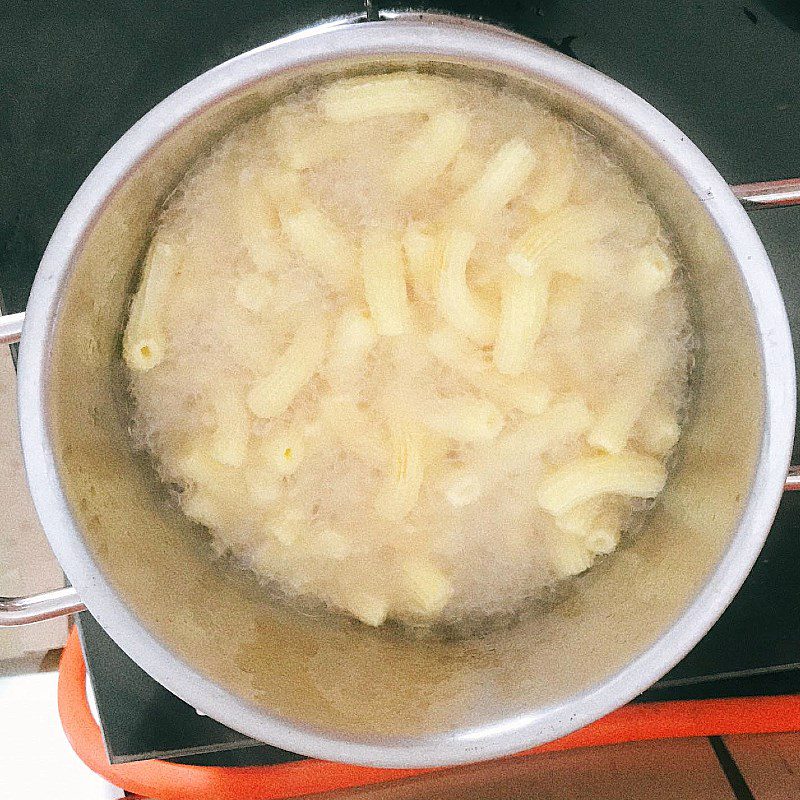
x,y
345,692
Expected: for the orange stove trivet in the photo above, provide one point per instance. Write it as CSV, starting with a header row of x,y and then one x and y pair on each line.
x,y
165,780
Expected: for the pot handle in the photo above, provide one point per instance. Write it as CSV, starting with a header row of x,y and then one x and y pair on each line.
x,y
47,605
57,603
39,607
769,194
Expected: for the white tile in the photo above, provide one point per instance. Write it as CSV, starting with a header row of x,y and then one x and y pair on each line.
x,y
36,760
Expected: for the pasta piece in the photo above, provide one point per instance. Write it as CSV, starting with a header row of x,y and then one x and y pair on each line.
x,y
383,271
272,394
354,336
614,423
420,252
596,523
628,473
400,490
657,430
257,222
565,304
556,170
523,309
254,291
144,342
563,421
571,556
368,608
501,181
457,304
232,431
650,271
201,507
321,243
528,394
332,544
382,95
212,490
462,488
466,419
603,535
553,240
428,588
302,146
426,156
289,526
282,452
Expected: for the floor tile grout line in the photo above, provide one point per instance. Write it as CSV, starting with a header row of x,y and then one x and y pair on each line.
x,y
731,769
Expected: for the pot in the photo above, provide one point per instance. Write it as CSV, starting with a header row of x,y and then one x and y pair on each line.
x,y
342,691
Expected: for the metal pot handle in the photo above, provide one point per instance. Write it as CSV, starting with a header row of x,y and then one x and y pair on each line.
x,y
57,603
47,605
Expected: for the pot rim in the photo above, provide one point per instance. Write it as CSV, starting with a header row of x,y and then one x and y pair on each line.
x,y
400,35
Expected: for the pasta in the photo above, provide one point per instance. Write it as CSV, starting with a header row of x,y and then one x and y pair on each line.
x,y
657,430
144,344
615,422
400,490
384,282
321,243
457,303
553,241
597,523
232,429
426,156
258,223
523,309
412,349
465,419
555,175
354,336
271,395
501,181
419,249
382,95
528,394
650,271
429,588
628,473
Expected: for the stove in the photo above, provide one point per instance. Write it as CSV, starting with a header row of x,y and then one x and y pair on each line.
x,y
78,74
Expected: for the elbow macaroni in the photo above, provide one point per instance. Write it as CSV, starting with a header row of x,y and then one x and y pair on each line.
x,y
465,419
354,336
584,478
412,328
553,241
426,156
501,181
321,243
232,431
523,309
456,301
382,95
144,343
383,273
404,473
271,395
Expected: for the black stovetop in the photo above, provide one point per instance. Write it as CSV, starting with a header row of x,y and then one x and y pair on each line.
x,y
75,75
